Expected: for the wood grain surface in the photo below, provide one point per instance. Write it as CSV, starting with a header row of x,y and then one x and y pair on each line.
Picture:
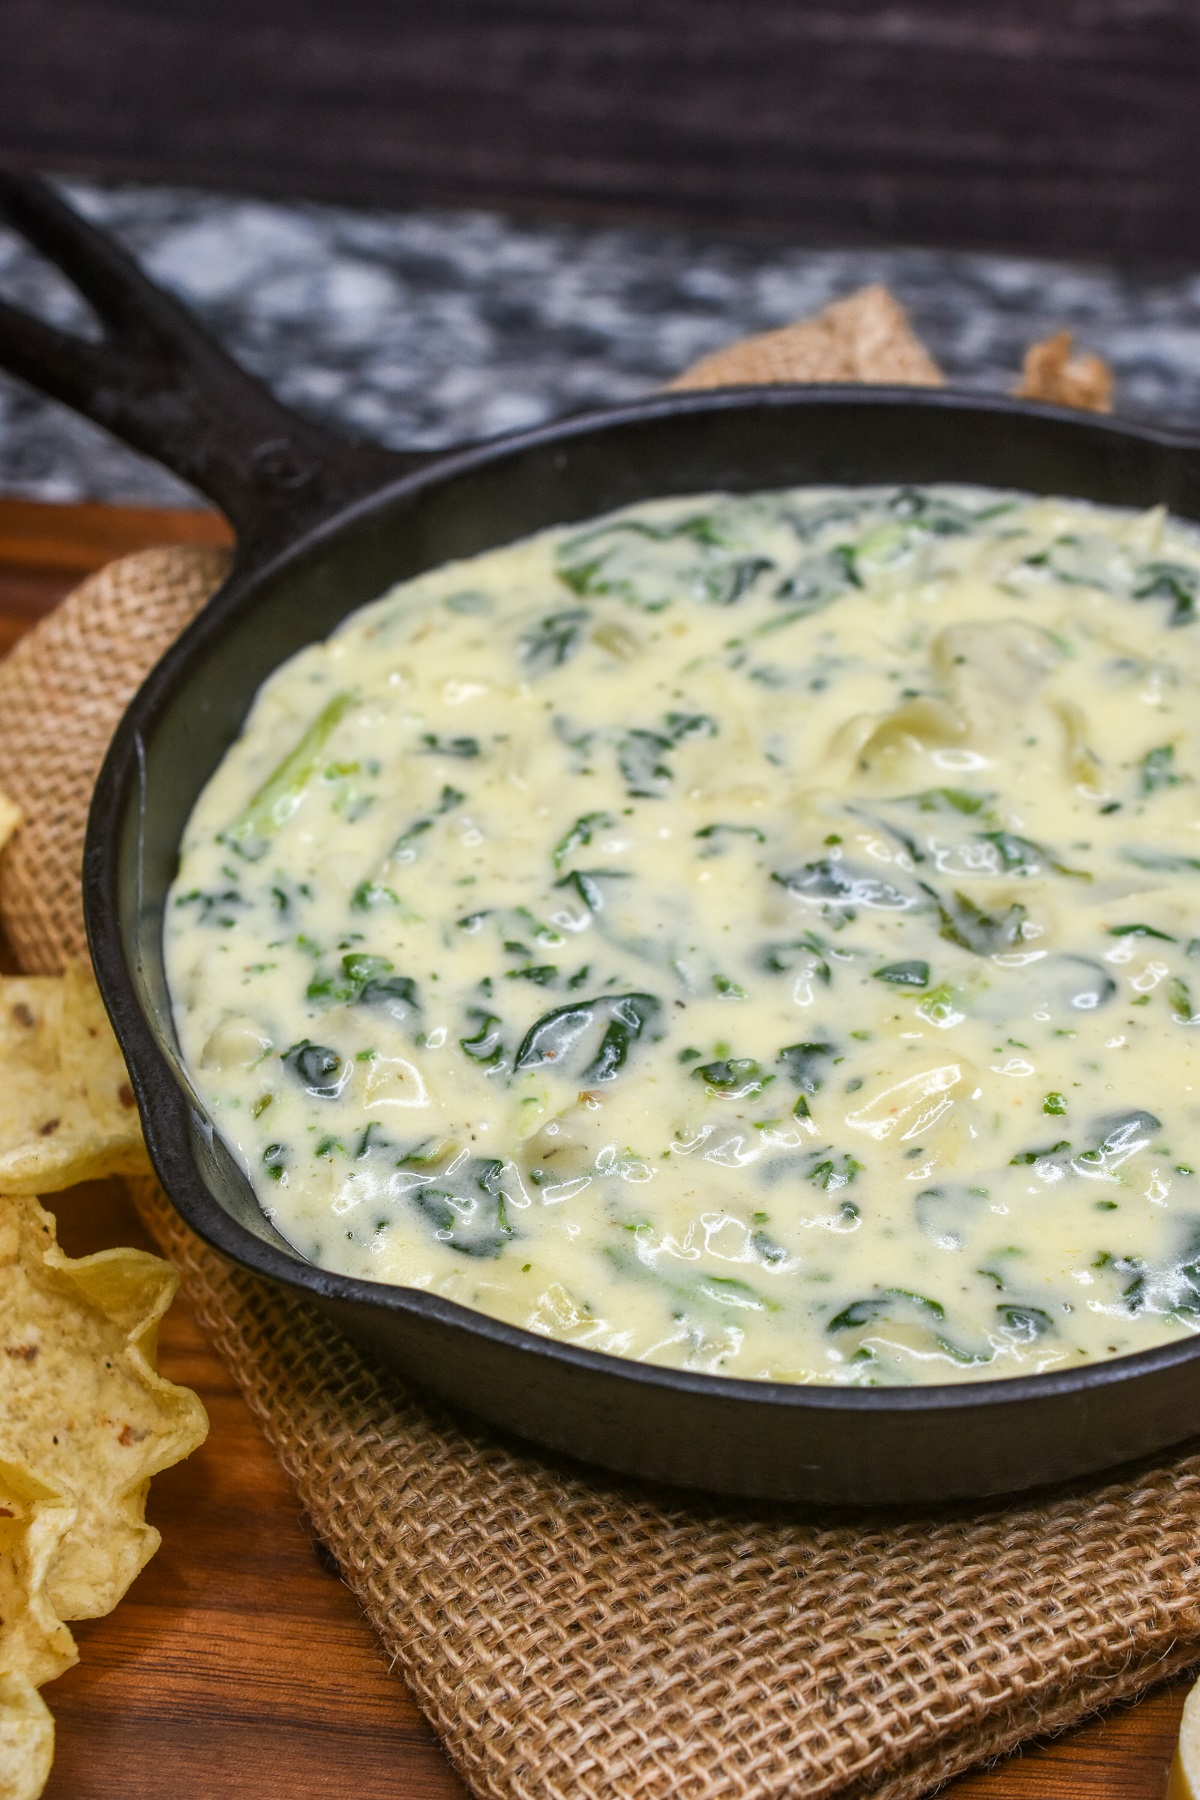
x,y
238,1667
1068,128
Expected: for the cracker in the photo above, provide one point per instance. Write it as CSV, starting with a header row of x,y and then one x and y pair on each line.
x,y
1054,371
865,337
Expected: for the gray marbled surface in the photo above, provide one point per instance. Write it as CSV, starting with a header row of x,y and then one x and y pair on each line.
x,y
426,328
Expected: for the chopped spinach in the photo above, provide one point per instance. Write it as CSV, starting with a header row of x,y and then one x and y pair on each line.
x,y
557,1036
885,1305
318,1069
1173,582
806,952
581,834
1024,1323
640,760
469,1216
733,1077
215,909
553,640
837,885
913,974
366,980
949,800
681,726
807,1065
1158,769
462,747
1021,856
585,884
486,1046
983,933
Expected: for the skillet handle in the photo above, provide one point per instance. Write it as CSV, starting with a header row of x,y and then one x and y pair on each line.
x,y
157,380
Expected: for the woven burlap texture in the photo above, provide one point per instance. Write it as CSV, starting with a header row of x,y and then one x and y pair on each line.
x,y
62,689
569,1636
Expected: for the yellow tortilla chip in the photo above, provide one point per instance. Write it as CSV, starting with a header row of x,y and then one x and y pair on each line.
x,y
35,1645
82,1407
34,1519
67,1111
10,818
26,1739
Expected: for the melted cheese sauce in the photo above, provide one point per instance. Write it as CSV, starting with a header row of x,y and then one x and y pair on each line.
x,y
747,933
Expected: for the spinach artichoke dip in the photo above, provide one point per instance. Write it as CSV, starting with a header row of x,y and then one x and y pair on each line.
x,y
756,934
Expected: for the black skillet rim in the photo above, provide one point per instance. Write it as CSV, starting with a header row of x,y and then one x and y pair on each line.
x,y
168,1110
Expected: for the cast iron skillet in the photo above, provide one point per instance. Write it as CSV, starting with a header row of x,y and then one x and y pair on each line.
x,y
324,525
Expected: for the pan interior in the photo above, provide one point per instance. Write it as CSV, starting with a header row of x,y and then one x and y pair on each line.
x,y
195,708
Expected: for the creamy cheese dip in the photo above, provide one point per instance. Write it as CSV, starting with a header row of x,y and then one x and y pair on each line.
x,y
753,934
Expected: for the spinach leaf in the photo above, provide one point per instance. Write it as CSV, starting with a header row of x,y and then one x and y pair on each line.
x,y
982,933
1024,1323
723,583
714,833
681,726
366,980
462,747
544,974
948,800
640,760
486,1046
561,1037
837,884
913,974
1021,856
818,579
554,640
581,834
585,883
832,1173
318,1069
885,1305
806,952
469,1216
806,1064
1173,582
1158,769
218,908
733,1077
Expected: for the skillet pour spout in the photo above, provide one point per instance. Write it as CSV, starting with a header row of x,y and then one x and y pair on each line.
x,y
325,525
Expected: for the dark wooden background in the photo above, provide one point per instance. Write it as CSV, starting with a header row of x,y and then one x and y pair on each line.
x,y
1067,127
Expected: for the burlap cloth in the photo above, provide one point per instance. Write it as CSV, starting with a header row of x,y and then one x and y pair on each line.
x,y
568,1635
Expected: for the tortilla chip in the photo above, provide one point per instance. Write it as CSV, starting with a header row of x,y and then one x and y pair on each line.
x,y
35,1645
10,818
34,1519
1053,373
26,1739
865,337
82,1408
67,1111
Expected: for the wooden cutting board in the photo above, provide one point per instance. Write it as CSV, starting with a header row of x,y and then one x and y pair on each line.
x,y
238,1667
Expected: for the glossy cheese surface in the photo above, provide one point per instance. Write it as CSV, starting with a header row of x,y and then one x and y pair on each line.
x,y
757,934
